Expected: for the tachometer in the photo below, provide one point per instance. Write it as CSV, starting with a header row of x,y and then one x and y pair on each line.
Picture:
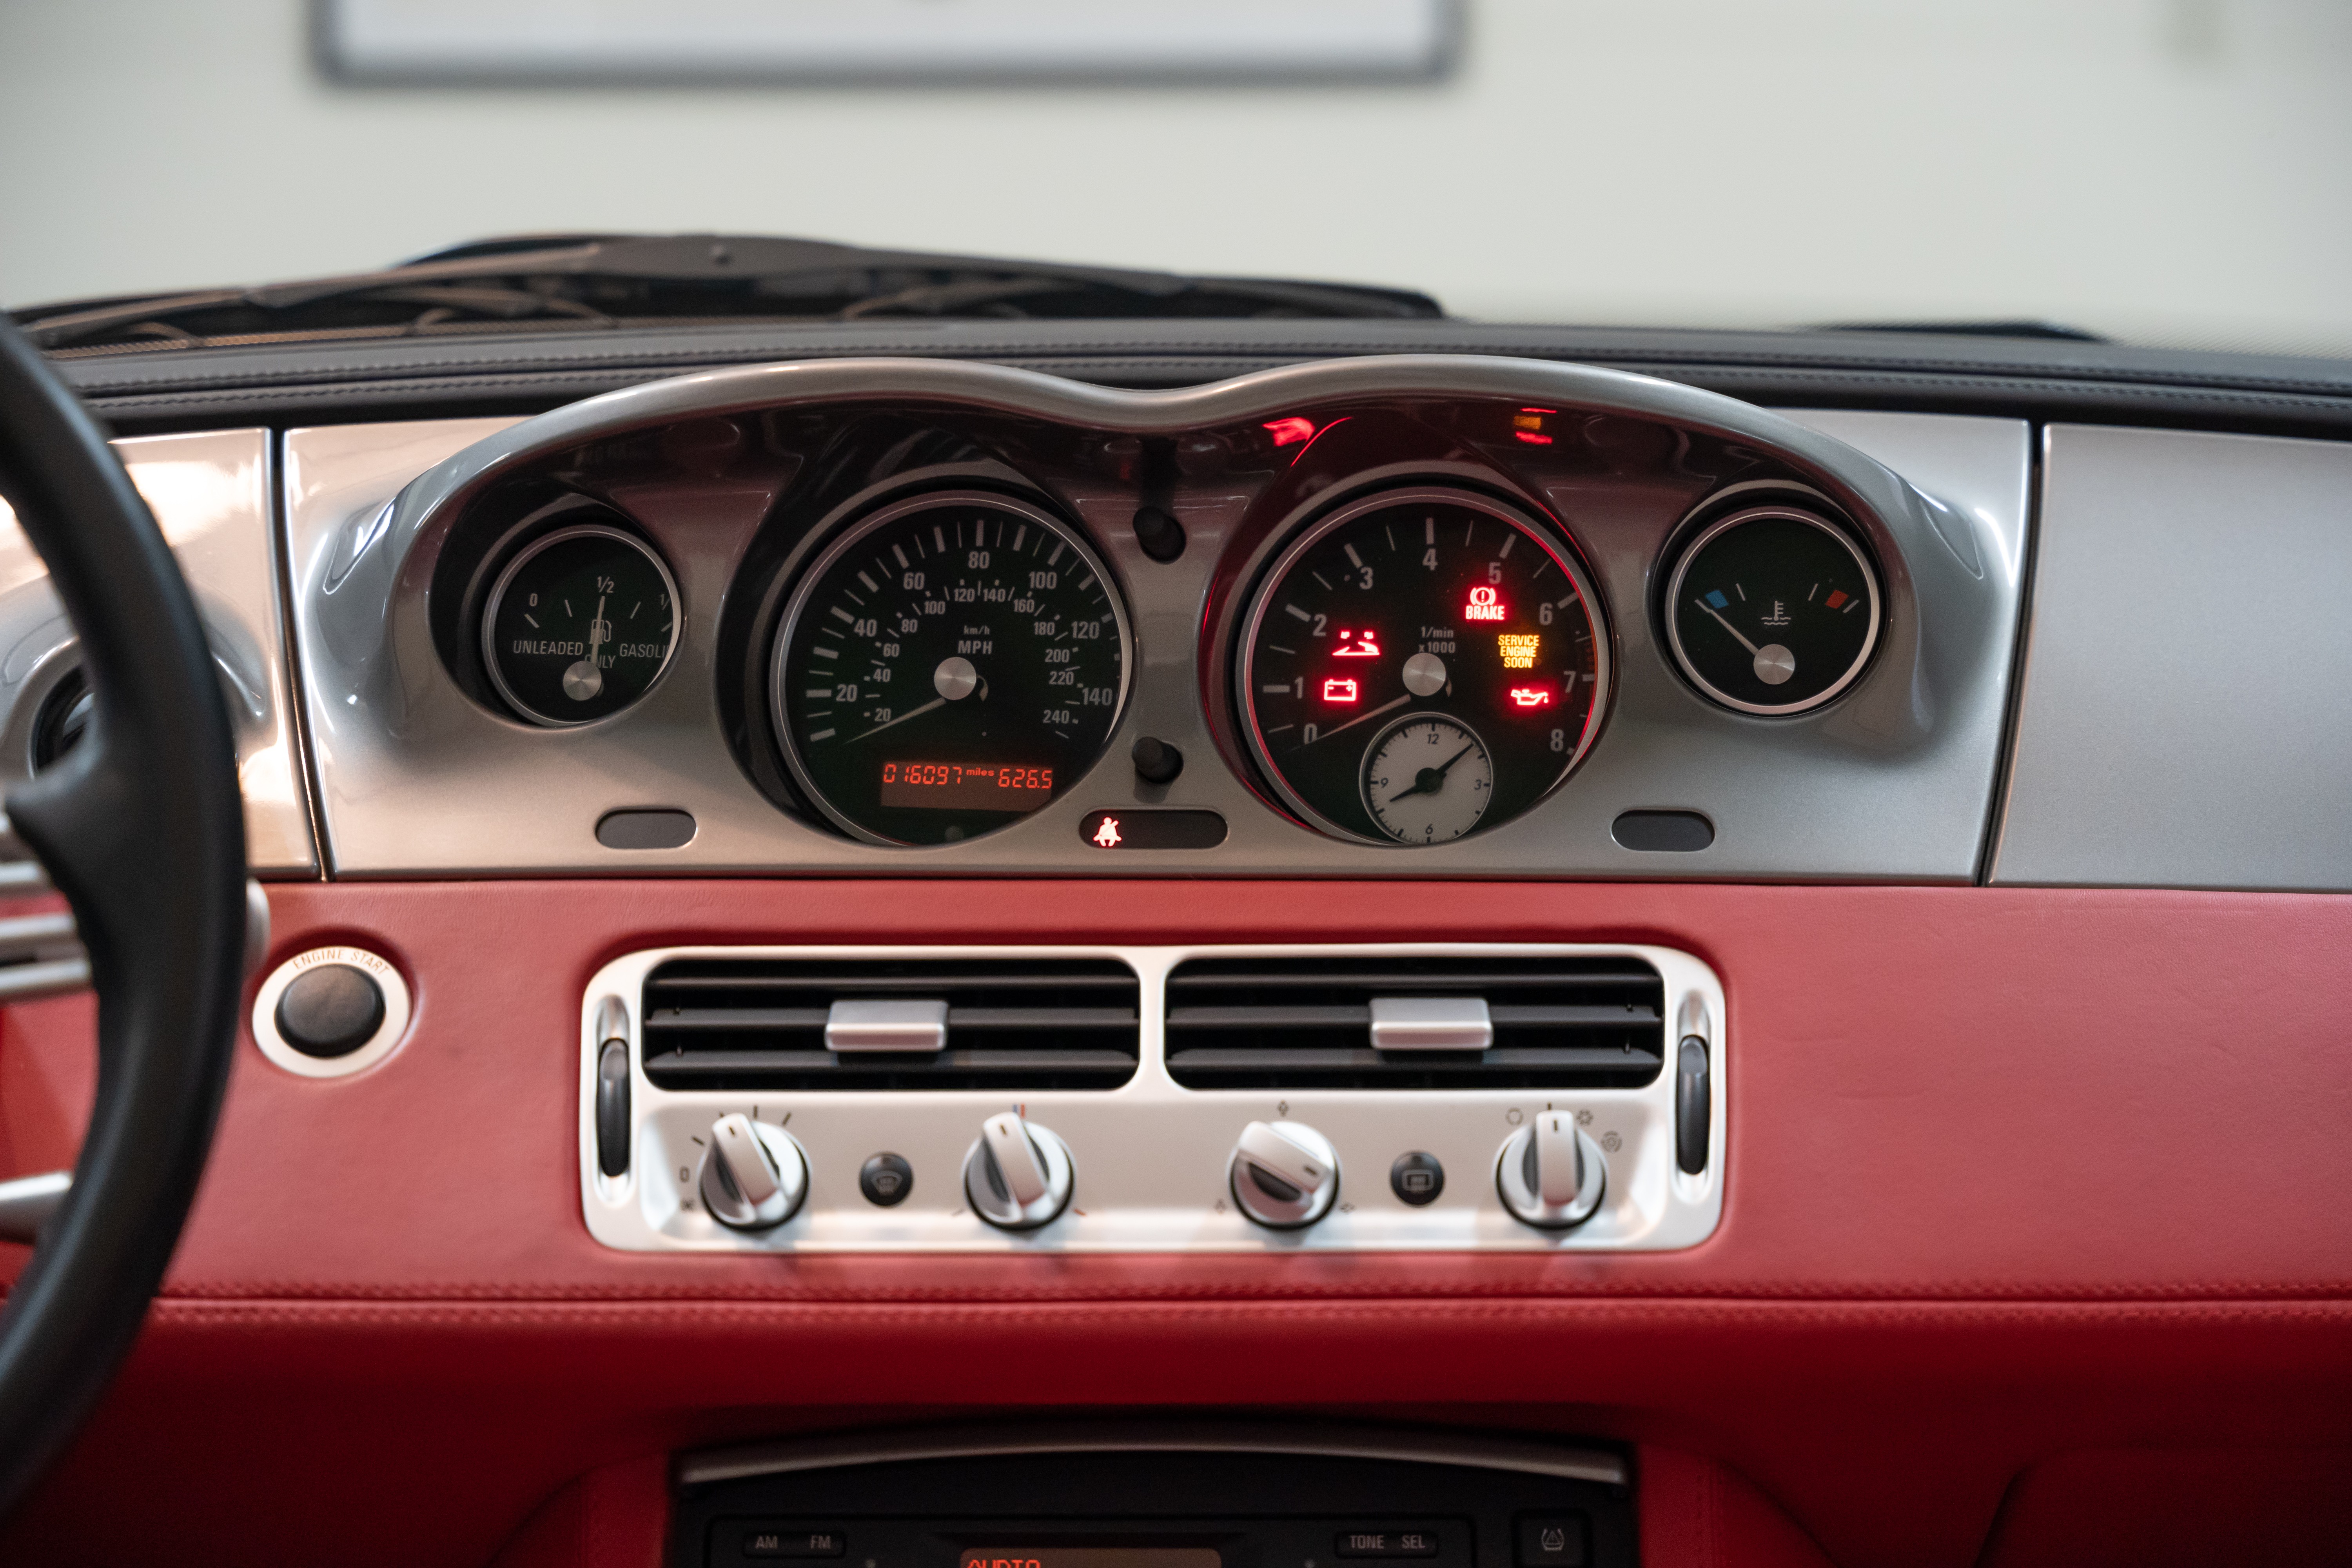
x,y
948,666
1421,665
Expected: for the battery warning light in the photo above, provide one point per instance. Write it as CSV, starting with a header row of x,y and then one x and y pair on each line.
x,y
1518,649
1483,605
1530,697
1338,690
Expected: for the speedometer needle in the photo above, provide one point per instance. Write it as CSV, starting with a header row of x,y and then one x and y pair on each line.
x,y
1726,626
979,683
910,713
1362,717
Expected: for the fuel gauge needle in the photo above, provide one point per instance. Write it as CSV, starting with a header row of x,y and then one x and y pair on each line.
x,y
1726,626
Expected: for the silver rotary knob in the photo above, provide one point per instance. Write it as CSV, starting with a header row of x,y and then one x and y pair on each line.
x,y
1018,1175
1284,1174
754,1175
1551,1173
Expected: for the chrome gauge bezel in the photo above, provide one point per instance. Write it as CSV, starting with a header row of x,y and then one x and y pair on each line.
x,y
1555,542
1688,553
813,573
505,579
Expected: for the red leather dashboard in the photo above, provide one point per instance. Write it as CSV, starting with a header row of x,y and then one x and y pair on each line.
x,y
2013,1176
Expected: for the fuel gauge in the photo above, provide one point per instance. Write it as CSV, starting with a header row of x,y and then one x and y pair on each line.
x,y
579,625
1772,611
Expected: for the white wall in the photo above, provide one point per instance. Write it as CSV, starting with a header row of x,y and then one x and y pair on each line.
x,y
2176,170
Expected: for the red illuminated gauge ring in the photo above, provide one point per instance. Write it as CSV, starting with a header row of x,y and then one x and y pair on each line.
x,y
1717,530
1271,580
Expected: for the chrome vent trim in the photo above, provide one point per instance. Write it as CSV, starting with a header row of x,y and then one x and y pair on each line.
x,y
1319,1022
785,1023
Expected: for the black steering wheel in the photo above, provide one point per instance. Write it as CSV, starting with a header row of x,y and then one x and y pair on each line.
x,y
141,827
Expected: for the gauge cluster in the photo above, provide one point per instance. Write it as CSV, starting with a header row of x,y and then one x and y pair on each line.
x,y
1385,617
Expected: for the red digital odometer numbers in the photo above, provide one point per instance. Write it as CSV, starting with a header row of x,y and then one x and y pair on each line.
x,y
959,787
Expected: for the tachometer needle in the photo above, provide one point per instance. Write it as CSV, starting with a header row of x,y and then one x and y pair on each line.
x,y
1710,609
1359,718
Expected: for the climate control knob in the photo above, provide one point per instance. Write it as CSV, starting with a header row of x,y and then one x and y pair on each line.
x,y
1018,1175
1551,1173
754,1175
1284,1174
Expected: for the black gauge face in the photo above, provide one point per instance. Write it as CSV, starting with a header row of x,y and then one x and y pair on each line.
x,y
946,667
579,625
1772,611
1421,665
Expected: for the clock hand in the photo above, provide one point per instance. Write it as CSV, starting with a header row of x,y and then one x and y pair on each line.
x,y
1429,781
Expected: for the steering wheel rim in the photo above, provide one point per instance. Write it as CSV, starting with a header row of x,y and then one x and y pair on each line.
x,y
142,829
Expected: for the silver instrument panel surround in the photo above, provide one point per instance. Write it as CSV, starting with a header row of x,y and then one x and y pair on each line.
x,y
212,495
1152,1159
1893,783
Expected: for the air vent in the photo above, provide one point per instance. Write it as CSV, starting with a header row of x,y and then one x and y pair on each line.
x,y
1495,1023
865,1024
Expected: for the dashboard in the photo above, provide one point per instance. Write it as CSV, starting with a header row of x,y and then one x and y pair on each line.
x,y
1429,888
1335,577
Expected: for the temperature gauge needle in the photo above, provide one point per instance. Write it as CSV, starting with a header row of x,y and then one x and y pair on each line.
x,y
1726,626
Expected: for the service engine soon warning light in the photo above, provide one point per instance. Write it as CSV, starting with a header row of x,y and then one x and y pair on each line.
x,y
1483,606
1365,643
1530,697
1339,688
1518,649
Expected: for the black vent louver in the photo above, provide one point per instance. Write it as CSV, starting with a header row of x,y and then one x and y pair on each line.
x,y
1304,1023
760,1023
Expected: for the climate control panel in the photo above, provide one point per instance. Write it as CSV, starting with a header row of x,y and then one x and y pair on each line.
x,y
1130,1100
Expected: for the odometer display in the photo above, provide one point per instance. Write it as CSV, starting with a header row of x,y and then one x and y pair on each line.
x,y
947,666
1419,666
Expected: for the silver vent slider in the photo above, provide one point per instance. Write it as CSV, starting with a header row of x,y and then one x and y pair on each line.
x,y
1431,1024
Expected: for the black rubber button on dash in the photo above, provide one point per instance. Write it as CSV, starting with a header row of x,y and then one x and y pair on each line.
x,y
1417,1178
1694,1106
644,830
330,1011
1664,832
886,1180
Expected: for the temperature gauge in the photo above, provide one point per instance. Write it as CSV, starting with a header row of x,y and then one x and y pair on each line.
x,y
1772,611
579,625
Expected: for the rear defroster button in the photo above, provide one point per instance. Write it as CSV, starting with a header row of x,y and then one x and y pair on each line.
x,y
887,1180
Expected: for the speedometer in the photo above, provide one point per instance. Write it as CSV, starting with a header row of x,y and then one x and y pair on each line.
x,y
1421,665
949,664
